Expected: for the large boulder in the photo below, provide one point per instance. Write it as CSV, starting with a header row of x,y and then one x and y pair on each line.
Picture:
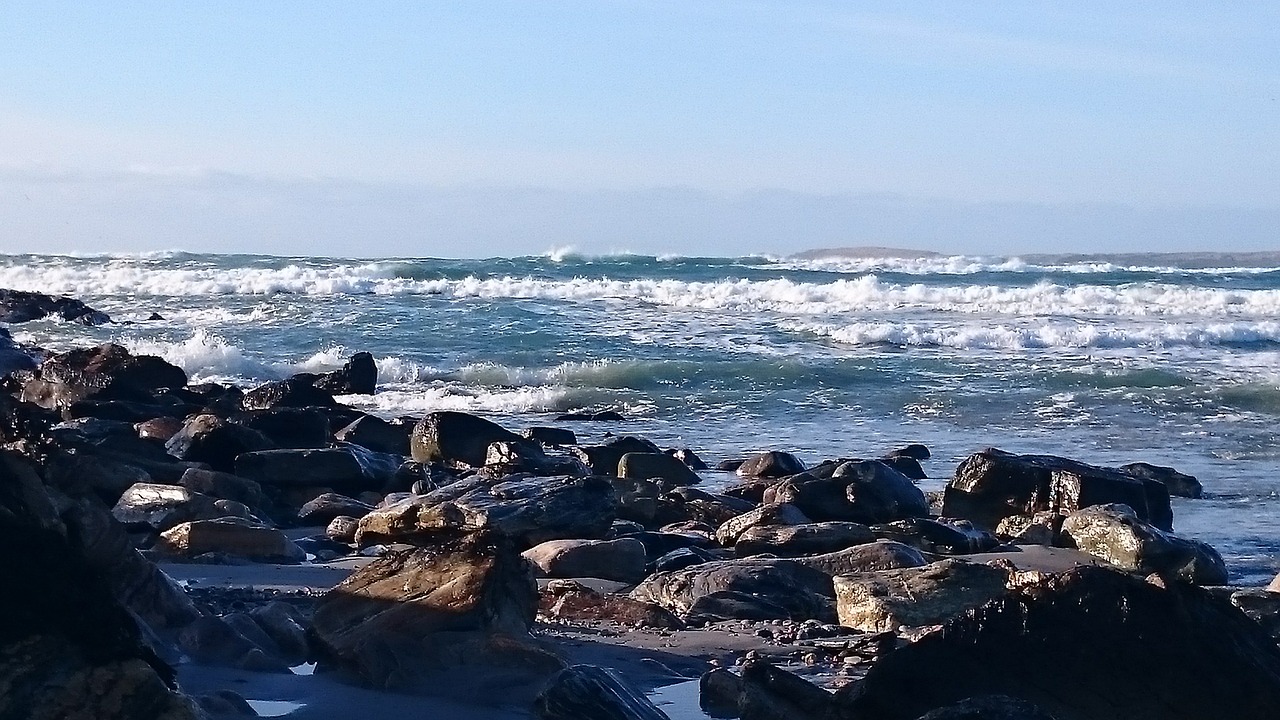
x,y
865,491
349,468
160,507
930,595
224,486
430,619
378,435
941,536
1179,484
19,306
456,437
210,439
622,559
572,601
748,589
605,459
991,485
659,466
322,509
773,463
12,356
802,539
586,691
358,376
1115,534
296,391
105,372
236,537
528,510
1090,643
289,427
768,514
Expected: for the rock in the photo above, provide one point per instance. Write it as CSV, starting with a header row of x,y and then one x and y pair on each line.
x,y
1179,484
508,458
587,692
426,620
232,536
231,508
573,601
988,707
731,465
605,459
684,557
454,437
19,306
284,625
378,435
703,507
12,357
78,472
1115,534
640,501
551,436
214,641
992,484
802,539
160,507
767,514
770,464
942,536
160,428
622,559
210,439
296,391
349,468
915,451
105,372
764,589
865,491
358,376
342,529
1039,529
930,595
908,466
528,510
767,692
288,427
878,555
659,466
1086,644
327,506
689,458
606,416
220,703
225,486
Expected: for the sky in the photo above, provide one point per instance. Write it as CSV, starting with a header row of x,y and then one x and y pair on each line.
x,y
486,128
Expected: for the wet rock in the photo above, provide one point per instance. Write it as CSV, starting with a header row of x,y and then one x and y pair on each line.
x,y
682,558
160,507
605,458
767,514
213,440
79,472
1115,534
551,436
528,510
770,464
288,427
640,501
622,559
731,465
12,357
943,536
802,539
342,529
908,466
659,466
915,451
992,484
159,428
349,468
587,692
105,372
378,435
573,601
1262,606
225,703
425,620
606,416
913,597
327,506
296,391
19,306
236,537
1086,644
1039,529
865,491
689,458
358,376
455,437
507,458
1179,484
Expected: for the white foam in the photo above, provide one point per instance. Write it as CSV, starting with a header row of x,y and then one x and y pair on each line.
x,y
1044,335
477,399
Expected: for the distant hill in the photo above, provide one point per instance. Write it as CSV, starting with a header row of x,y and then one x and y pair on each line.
x,y
866,251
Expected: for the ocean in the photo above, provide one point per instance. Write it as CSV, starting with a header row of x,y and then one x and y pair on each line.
x,y
1173,360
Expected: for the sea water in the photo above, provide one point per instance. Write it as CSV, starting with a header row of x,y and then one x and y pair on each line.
x,y
1173,360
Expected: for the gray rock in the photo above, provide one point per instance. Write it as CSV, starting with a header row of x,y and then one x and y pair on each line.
x,y
929,595
551,436
803,539
604,459
1039,529
623,559
941,536
767,514
160,507
105,372
455,437
348,468
358,376
378,435
328,506
296,391
342,529
231,536
1115,534
866,491
762,589
225,486
1179,484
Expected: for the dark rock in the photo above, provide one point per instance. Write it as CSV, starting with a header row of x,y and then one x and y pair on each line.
x,y
604,459
1262,606
908,466
215,641
222,703
703,507
729,465
1179,484
105,372
762,589
988,707
622,560
19,306
327,506
681,558
1039,529
13,357
158,428
296,391
659,466
587,692
528,510
284,625
350,468
551,436
915,451
378,435
767,514
992,484
771,464
1115,534
225,486
1086,644
289,427
127,411
691,460
454,437
606,416
213,440
77,472
342,529
425,620
768,692
657,544
358,376
573,601
941,536
865,491
868,557
507,458
802,539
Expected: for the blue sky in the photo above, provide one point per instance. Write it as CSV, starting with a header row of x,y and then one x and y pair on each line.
x,y
497,128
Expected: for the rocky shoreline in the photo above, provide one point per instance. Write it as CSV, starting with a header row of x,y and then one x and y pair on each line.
x,y
182,547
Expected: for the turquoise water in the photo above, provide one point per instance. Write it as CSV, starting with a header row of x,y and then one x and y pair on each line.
x,y
1109,360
